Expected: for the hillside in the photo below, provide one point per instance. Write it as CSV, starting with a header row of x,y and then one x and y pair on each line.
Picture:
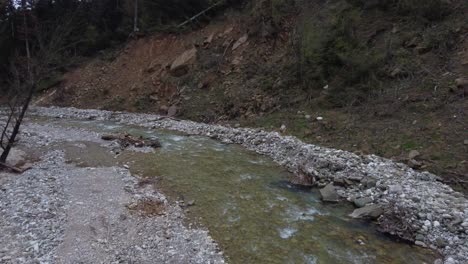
x,y
340,74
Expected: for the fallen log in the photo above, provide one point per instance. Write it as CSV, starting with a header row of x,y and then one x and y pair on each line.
x,y
126,140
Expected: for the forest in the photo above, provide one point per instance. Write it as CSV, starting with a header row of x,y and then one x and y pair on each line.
x,y
60,30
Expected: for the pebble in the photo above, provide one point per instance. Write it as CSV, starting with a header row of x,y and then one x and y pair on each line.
x,y
450,260
429,217
420,243
35,206
422,193
395,189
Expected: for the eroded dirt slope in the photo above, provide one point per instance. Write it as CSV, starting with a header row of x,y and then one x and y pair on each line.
x,y
245,74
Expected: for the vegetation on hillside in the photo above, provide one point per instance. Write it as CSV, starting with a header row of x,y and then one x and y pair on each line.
x,y
381,73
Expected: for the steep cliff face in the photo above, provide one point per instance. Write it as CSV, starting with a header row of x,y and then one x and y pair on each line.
x,y
370,79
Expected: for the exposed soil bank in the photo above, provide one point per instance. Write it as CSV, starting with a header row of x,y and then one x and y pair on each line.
x,y
406,98
416,206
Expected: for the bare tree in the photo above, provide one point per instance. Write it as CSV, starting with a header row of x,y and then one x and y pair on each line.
x,y
18,105
52,42
135,17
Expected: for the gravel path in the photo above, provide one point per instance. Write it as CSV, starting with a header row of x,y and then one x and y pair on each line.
x,y
416,206
60,213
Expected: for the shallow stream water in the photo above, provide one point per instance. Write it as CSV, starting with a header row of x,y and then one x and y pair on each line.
x,y
245,201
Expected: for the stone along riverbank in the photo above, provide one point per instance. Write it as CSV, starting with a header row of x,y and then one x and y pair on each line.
x,y
407,203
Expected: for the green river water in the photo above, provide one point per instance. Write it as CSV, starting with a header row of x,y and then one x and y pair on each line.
x,y
246,203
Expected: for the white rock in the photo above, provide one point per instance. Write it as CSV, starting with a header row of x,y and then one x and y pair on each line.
x,y
450,260
395,188
420,243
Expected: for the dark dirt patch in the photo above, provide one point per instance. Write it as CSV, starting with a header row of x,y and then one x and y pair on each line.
x,y
148,207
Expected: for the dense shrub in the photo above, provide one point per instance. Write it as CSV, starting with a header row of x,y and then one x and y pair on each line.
x,y
332,54
271,10
428,9
155,13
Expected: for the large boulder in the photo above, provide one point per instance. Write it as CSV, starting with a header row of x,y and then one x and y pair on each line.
x,y
17,157
361,202
329,193
181,65
371,211
413,154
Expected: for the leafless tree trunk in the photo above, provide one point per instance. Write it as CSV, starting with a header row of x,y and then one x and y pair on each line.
x,y
12,138
50,42
8,138
201,13
135,17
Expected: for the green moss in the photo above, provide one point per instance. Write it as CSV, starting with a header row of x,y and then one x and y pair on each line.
x,y
409,145
330,53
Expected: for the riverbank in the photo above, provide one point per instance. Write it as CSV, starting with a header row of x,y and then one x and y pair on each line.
x,y
57,212
431,213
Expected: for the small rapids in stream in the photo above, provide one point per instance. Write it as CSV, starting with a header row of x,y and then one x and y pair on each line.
x,y
245,201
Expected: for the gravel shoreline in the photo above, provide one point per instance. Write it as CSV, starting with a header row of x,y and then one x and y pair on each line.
x,y
416,206
57,212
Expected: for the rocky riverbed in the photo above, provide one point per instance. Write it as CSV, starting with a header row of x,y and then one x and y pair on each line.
x,y
57,212
407,203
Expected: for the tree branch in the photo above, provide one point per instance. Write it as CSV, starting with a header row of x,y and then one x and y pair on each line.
x,y
199,14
